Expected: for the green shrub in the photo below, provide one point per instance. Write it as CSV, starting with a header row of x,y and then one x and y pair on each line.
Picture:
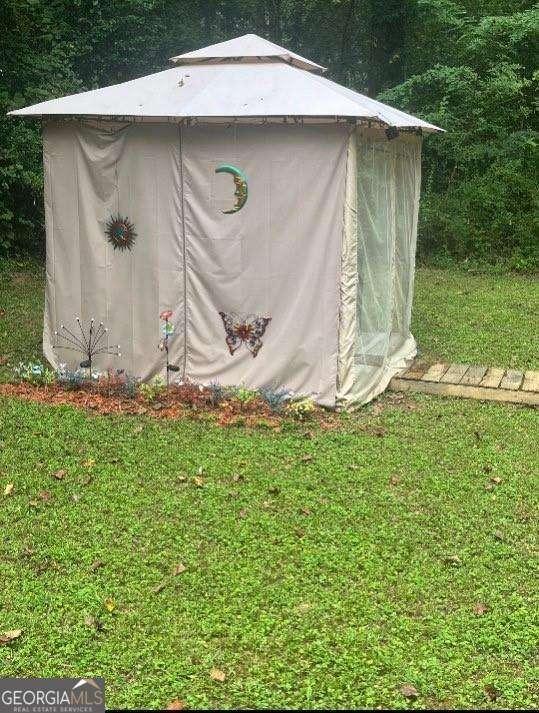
x,y
153,389
301,409
243,394
34,373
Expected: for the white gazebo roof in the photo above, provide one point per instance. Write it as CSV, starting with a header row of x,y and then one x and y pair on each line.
x,y
247,78
244,49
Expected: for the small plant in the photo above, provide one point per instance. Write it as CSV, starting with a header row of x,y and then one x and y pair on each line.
x,y
301,409
117,382
70,380
190,393
275,397
243,394
34,373
130,386
152,389
217,393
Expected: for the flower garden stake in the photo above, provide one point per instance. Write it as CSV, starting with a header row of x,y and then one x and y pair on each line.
x,y
168,332
90,343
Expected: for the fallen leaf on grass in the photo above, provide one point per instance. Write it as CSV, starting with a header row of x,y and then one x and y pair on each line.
x,y
8,490
496,480
93,623
498,535
110,605
159,588
453,559
480,609
409,691
44,495
199,482
492,692
178,569
177,705
377,408
217,675
96,564
59,475
6,637
238,478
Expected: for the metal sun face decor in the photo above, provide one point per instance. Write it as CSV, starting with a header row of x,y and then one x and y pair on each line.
x,y
92,341
120,233
240,182
247,330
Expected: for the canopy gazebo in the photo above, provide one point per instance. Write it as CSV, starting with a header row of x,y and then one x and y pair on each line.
x,y
273,211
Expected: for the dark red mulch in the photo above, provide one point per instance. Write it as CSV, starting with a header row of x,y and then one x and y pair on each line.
x,y
185,401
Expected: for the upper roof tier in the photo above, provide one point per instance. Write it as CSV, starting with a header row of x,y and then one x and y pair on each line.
x,y
264,82
247,48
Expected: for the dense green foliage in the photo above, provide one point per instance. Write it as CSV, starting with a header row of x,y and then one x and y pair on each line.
x,y
467,65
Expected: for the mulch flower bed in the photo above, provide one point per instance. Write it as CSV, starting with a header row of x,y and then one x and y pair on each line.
x,y
183,401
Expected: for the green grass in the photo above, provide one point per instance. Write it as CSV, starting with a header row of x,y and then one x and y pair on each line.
x,y
320,582
477,318
21,313
334,605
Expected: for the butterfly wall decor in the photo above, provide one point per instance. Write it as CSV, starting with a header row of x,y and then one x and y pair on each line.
x,y
247,330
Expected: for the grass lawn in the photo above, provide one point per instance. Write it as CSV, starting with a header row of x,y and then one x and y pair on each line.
x,y
323,568
477,319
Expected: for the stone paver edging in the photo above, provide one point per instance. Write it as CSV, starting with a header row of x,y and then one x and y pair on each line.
x,y
470,381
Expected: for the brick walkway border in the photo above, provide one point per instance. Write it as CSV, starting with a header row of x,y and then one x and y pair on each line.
x,y
469,381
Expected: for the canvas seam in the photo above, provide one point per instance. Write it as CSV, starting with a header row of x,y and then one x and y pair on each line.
x,y
184,258
345,248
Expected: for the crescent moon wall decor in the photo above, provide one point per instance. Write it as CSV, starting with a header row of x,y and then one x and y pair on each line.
x,y
240,181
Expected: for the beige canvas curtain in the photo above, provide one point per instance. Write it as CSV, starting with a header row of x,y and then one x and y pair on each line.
x,y
278,258
90,175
